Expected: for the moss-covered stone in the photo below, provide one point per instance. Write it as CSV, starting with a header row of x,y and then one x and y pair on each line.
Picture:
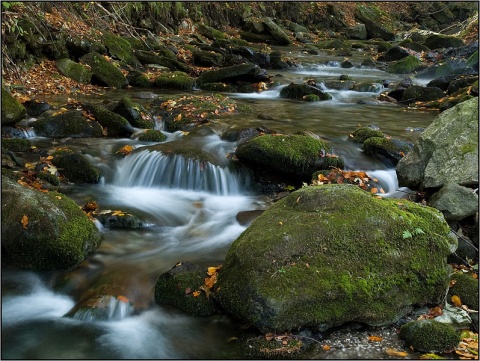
x,y
114,125
139,79
429,336
420,93
377,22
16,144
49,177
75,167
389,149
174,80
298,91
361,134
207,58
437,41
211,33
276,31
152,135
57,235
290,154
69,124
73,70
230,74
178,288
465,287
120,48
120,221
406,65
103,71
219,87
134,113
330,254
12,110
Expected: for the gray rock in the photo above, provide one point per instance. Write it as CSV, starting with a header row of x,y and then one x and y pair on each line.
x,y
358,32
12,110
447,151
455,202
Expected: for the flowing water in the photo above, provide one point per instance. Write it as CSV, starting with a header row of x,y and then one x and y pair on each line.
x,y
190,207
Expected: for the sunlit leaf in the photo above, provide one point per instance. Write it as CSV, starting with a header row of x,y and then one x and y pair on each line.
x,y
375,338
392,352
326,347
456,301
122,299
24,221
196,293
125,150
431,356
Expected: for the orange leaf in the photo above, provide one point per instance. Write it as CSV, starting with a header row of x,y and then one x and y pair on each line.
x,y
375,338
178,117
374,190
125,150
395,353
122,299
24,221
326,348
210,281
456,301
196,293
269,336
212,270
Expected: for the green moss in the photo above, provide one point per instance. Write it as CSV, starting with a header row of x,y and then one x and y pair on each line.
x,y
361,134
429,336
406,65
210,32
49,177
299,91
120,48
311,98
12,110
218,87
103,71
16,144
75,167
465,287
74,70
152,135
174,80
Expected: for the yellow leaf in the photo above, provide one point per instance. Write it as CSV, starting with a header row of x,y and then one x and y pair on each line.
x,y
127,149
196,293
375,338
212,270
326,348
392,352
123,299
58,197
178,117
374,190
456,301
24,221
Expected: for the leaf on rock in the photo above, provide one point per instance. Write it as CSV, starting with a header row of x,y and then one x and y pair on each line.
x,y
125,150
24,221
394,353
196,293
456,301
123,299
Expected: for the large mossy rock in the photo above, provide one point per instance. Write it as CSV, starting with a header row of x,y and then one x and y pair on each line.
x,y
290,154
388,150
331,254
75,167
278,34
55,233
12,110
230,74
429,336
437,41
174,80
377,22
134,113
447,151
69,124
406,65
416,93
73,70
120,49
114,125
299,91
103,71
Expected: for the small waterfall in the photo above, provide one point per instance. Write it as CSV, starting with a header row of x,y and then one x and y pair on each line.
x,y
388,180
154,169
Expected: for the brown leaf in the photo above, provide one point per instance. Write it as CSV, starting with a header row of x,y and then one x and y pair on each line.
x,y
456,301
375,338
392,352
24,221
326,347
196,293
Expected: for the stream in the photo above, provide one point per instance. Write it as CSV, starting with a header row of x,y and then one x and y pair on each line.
x,y
191,210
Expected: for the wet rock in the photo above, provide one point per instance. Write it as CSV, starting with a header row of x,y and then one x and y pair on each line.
x,y
152,135
231,74
387,149
461,82
16,144
361,134
134,113
393,54
447,151
121,220
179,286
429,336
438,41
119,48
174,80
75,167
245,218
114,124
466,288
104,72
416,93
376,22
207,58
298,91
240,135
55,234
406,65
12,110
69,124
167,59
138,79
36,108
282,272
346,64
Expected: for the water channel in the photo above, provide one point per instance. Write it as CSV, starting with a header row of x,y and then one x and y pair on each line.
x,y
191,209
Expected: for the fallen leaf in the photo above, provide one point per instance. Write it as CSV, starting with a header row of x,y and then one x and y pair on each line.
x,y
24,221
430,356
269,336
326,348
196,293
456,301
392,352
123,299
375,338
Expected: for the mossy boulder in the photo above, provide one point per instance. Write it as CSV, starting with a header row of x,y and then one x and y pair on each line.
x,y
465,287
230,74
103,71
74,70
430,336
114,125
416,93
406,65
139,79
389,150
207,58
394,53
377,22
437,41
179,286
174,80
121,220
211,33
16,144
36,107
290,154
164,58
276,31
75,167
134,113
152,135
69,124
331,254
55,235
119,48
12,110
446,151
299,91
361,134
